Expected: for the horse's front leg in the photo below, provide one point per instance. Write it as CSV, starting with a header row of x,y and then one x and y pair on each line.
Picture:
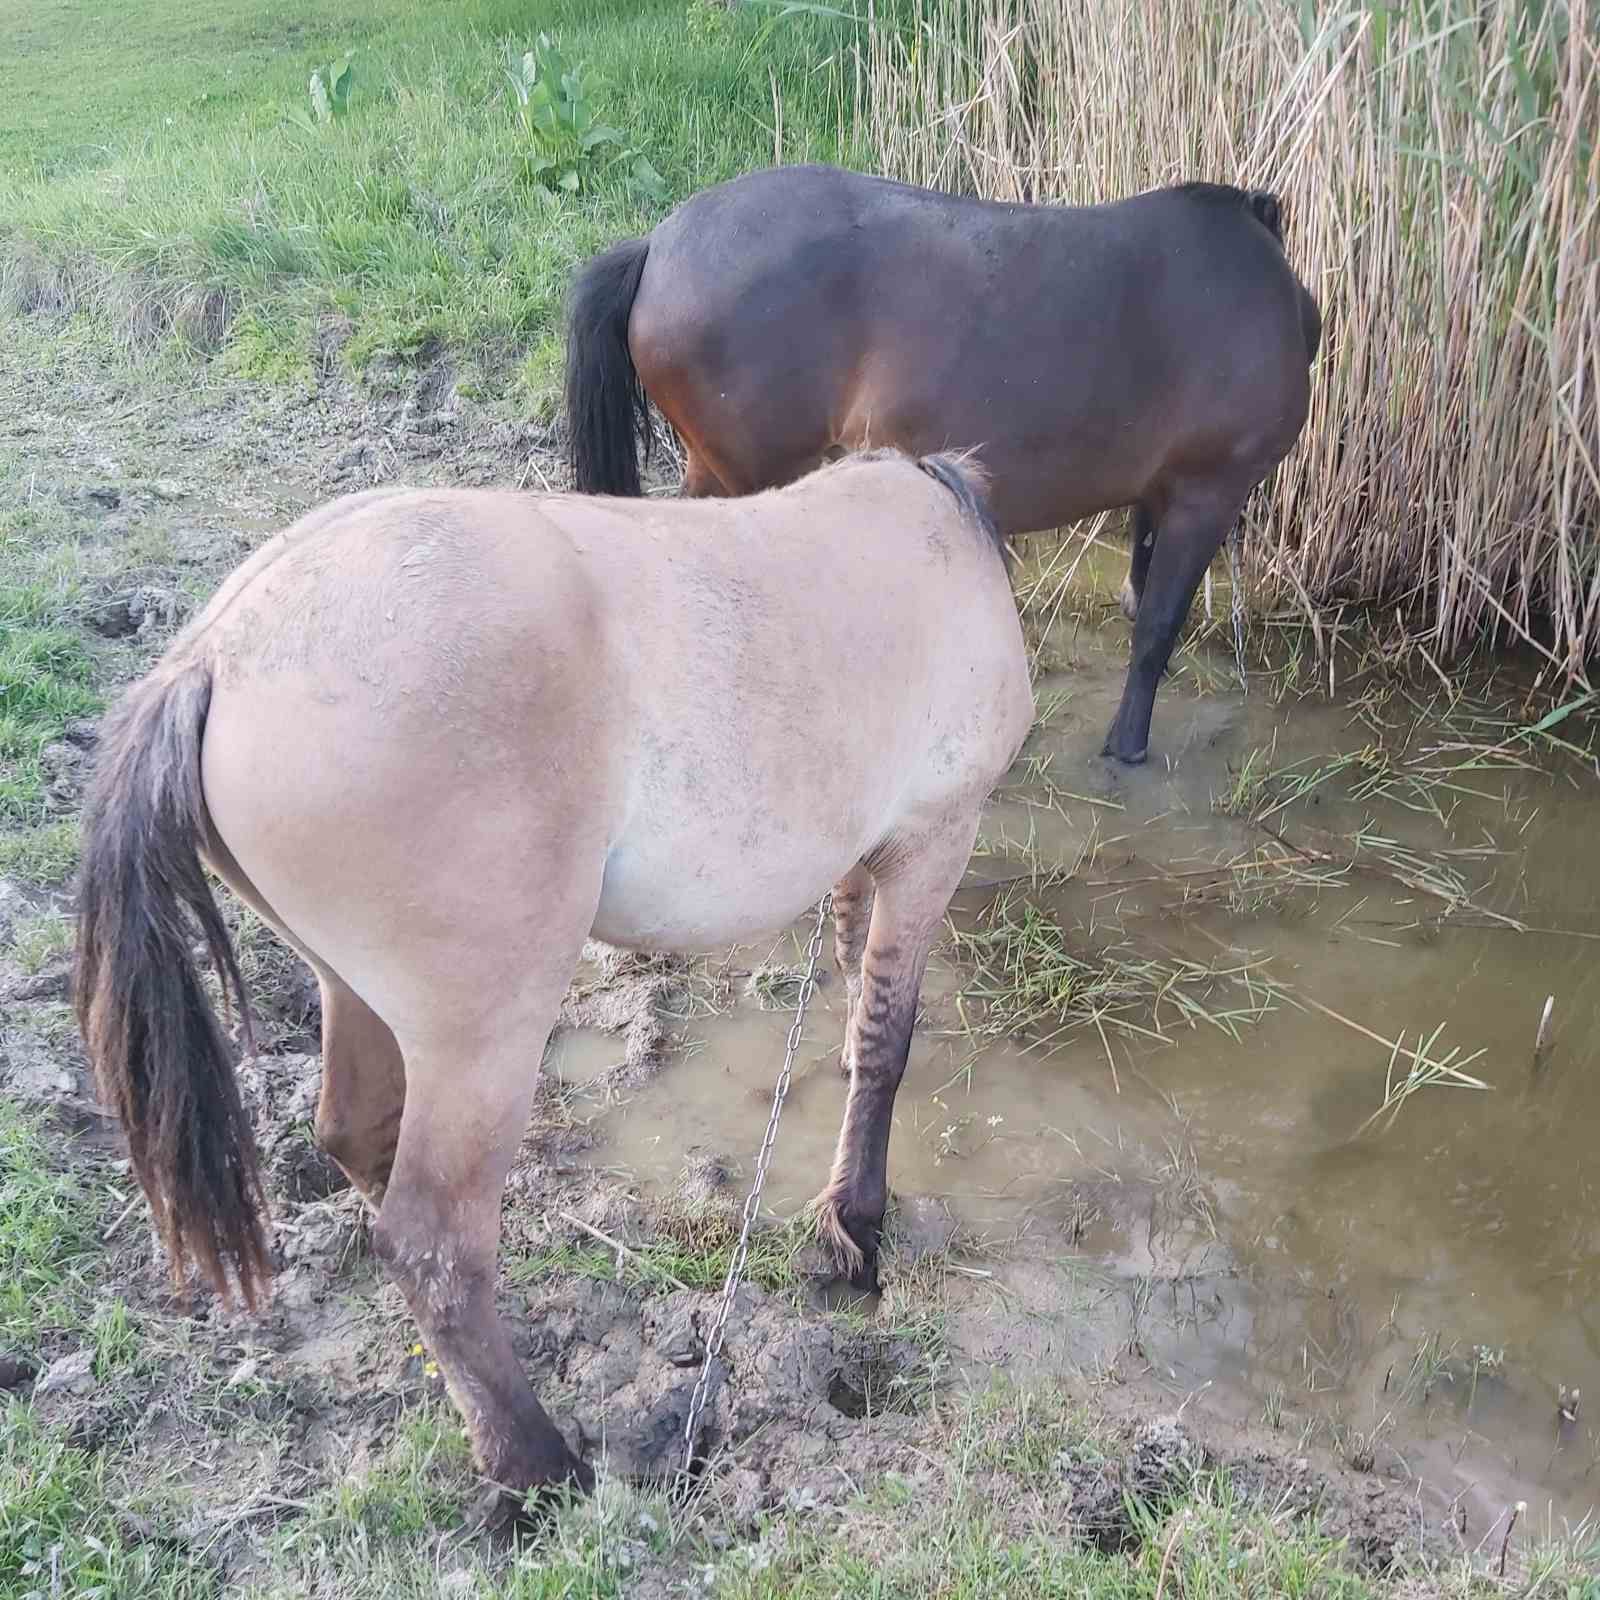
x,y
914,879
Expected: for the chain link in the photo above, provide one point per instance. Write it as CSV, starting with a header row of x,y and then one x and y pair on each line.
x,y
1238,608
752,1204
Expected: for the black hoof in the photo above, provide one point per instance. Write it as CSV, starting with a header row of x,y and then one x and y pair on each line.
x,y
1116,747
504,1512
840,1293
865,1281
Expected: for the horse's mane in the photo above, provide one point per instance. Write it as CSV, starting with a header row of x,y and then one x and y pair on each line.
x,y
965,476
958,471
1263,204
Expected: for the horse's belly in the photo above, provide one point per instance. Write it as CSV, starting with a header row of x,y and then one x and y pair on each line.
x,y
691,896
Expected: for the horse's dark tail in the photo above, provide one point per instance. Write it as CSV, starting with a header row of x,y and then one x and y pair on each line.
x,y
607,412
160,1060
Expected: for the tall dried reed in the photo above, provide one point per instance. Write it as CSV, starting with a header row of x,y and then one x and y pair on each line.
x,y
1439,162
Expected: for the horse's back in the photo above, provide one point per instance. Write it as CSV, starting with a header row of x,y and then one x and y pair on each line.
x,y
699,693
811,670
1083,349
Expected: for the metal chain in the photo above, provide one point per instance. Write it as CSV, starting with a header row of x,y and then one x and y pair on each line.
x,y
752,1204
1238,609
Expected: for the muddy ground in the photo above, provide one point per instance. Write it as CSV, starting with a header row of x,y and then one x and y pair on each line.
x,y
163,481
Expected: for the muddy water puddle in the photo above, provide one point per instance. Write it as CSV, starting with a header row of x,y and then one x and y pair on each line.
x,y
1189,1186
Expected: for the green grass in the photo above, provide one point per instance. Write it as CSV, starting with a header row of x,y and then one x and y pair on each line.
x,y
46,854
45,668
694,1252
62,1534
45,682
996,1522
37,941
47,1234
1210,1547
189,188
1028,976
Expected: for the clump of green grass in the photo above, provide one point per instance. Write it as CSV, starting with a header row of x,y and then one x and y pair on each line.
x,y
1423,1070
691,1249
62,1536
776,986
903,1544
37,941
1432,1363
46,681
376,1535
47,1233
46,854
415,1488
1031,1431
1029,978
1247,788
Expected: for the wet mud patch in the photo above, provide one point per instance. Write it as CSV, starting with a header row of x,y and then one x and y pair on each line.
x,y
636,998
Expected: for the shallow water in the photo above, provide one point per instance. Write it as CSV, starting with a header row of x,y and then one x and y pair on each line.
x,y
1249,1238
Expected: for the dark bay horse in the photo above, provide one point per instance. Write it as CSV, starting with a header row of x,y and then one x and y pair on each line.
x,y
1153,353
438,739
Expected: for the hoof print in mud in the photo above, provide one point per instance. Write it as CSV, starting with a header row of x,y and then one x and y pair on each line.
x,y
16,1372
1160,1469
139,611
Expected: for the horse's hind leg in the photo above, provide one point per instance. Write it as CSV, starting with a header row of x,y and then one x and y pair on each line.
x,y
1144,544
363,1087
915,881
363,1075
852,911
472,1054
1193,527
438,1232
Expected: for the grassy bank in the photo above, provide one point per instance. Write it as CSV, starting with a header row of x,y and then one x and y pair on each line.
x,y
205,196
1441,174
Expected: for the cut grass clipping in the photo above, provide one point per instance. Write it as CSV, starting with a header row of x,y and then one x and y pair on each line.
x,y
1028,980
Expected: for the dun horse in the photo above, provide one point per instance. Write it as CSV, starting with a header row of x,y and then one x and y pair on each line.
x,y
438,739
1153,353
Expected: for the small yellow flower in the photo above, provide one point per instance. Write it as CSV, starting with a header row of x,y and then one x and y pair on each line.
x,y
416,1349
430,1369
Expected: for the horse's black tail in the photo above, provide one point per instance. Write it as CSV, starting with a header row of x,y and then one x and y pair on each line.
x,y
607,412
159,1057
